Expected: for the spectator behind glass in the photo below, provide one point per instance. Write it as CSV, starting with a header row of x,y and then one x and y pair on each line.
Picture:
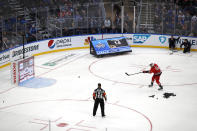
x,y
32,29
194,18
1,45
5,43
107,24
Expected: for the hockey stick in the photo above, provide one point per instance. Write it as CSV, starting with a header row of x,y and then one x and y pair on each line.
x,y
132,74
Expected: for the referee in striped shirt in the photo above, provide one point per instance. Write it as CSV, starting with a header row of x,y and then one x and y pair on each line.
x,y
99,95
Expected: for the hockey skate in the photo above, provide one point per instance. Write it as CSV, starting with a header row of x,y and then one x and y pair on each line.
x,y
151,85
161,87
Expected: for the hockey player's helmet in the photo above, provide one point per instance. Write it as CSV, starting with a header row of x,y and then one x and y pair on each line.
x,y
151,64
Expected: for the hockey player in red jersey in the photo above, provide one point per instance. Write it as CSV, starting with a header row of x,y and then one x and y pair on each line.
x,y
156,76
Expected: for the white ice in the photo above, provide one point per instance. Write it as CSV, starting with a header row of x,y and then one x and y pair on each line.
x,y
68,103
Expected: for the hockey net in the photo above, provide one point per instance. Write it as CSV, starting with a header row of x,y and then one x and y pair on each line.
x,y
22,70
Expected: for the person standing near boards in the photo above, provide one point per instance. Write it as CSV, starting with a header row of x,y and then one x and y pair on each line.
x,y
172,41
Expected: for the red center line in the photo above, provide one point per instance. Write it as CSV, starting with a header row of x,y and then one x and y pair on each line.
x,y
78,100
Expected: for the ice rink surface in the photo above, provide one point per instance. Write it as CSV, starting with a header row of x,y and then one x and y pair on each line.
x,y
66,103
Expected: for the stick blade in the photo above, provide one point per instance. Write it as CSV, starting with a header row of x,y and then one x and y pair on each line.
x,y
126,73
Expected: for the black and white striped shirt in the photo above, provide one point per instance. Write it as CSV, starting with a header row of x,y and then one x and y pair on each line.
x,y
99,93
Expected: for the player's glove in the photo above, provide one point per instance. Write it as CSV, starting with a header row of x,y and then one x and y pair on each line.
x,y
145,71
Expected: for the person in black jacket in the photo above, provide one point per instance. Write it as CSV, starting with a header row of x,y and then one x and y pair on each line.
x,y
99,95
187,46
172,42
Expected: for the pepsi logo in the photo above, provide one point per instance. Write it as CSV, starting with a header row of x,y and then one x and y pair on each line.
x,y
51,44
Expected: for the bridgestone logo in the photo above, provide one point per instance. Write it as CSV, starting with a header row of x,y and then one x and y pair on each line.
x,y
27,49
4,57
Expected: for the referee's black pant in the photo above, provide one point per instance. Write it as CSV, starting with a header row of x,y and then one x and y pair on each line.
x,y
96,103
187,49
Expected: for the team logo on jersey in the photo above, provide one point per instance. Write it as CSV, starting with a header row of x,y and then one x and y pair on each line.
x,y
140,39
162,39
51,44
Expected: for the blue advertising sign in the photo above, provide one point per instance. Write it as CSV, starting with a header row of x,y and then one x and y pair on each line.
x,y
112,45
162,39
140,38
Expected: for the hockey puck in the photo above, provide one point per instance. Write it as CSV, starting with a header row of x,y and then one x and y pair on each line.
x,y
78,76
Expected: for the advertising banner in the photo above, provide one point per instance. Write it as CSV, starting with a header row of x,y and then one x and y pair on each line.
x,y
29,50
193,41
4,58
108,46
78,42
157,40
68,42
